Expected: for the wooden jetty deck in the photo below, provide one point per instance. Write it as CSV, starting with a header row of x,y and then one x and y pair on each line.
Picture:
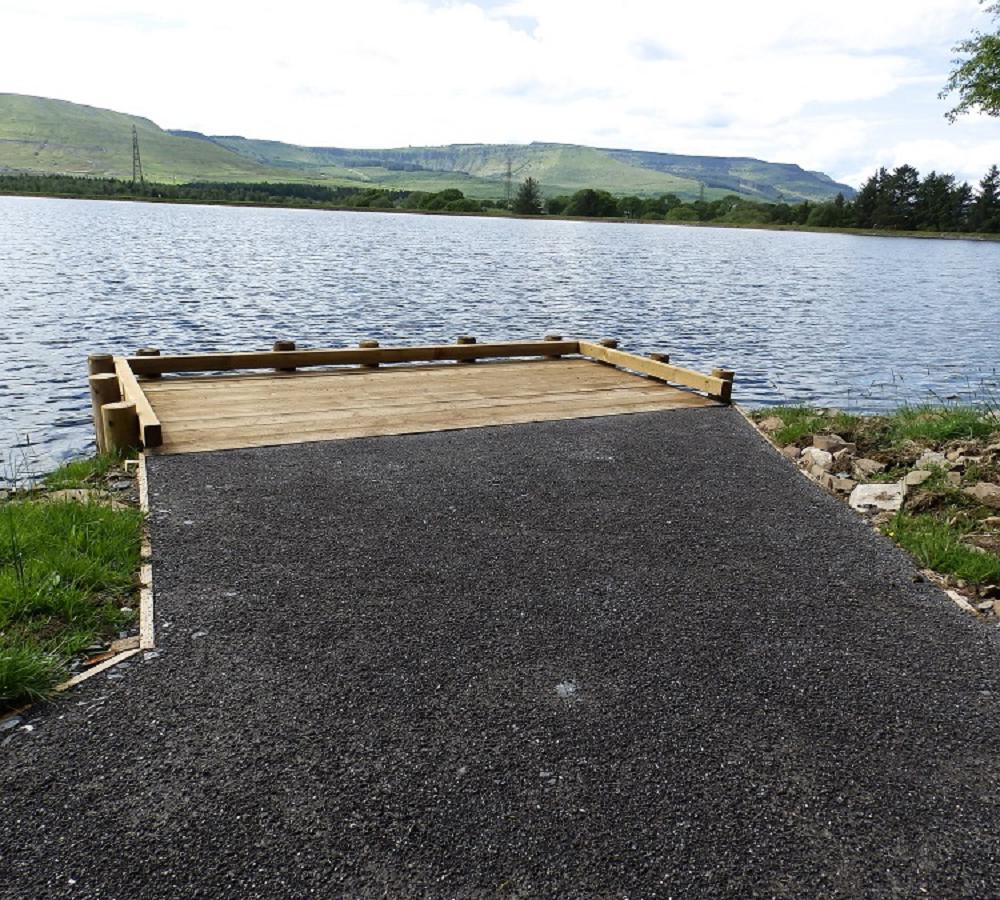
x,y
150,400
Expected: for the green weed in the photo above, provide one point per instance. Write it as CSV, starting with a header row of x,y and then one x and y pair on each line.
x,y
937,424
80,473
27,674
804,421
66,568
937,545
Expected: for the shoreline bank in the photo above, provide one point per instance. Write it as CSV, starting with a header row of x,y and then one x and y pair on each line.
x,y
978,237
926,477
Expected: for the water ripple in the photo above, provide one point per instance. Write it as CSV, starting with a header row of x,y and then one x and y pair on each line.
x,y
830,319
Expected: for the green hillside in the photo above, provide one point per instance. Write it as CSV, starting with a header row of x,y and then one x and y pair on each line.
x,y
53,136
41,136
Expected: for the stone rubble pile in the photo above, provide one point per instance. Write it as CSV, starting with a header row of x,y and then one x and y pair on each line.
x,y
916,479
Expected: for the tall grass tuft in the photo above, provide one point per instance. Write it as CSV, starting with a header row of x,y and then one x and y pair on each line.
x,y
66,569
938,546
27,674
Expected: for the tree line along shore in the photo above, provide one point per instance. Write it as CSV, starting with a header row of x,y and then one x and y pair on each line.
x,y
896,202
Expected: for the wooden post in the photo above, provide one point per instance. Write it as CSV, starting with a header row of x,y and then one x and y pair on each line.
x,y
99,364
466,339
149,351
280,346
660,357
121,427
553,337
368,344
104,388
727,376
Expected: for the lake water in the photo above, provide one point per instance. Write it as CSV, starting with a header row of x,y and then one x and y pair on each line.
x,y
826,319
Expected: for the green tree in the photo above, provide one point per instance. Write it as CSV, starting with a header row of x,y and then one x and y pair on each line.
x,y
867,200
557,205
976,77
591,203
985,212
631,207
942,204
528,201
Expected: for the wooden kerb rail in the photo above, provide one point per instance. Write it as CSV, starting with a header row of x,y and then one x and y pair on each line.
x,y
129,393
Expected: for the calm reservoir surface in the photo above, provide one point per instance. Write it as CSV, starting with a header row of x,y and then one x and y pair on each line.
x,y
826,319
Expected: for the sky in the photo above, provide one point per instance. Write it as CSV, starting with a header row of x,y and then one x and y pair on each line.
x,y
841,87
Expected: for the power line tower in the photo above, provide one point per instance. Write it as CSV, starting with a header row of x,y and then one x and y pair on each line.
x,y
509,176
136,160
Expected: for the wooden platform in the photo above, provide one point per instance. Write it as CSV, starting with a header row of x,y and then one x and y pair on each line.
x,y
458,386
254,410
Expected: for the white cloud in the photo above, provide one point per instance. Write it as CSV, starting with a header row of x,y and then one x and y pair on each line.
x,y
788,80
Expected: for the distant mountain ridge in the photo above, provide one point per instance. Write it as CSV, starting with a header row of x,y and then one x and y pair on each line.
x,y
55,136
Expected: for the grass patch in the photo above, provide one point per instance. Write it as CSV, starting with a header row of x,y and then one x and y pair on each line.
x,y
937,424
66,569
938,546
804,421
80,473
926,424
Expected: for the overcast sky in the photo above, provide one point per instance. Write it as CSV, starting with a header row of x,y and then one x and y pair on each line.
x,y
840,86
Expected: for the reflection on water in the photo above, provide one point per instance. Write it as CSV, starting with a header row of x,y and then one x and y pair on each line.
x,y
827,319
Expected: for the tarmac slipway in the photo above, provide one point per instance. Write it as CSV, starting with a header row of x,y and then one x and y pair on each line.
x,y
626,655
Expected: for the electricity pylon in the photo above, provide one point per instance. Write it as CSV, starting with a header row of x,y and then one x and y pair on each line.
x,y
136,161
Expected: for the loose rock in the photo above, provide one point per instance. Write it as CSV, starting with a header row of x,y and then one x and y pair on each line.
x,y
888,497
863,469
842,458
771,423
917,476
986,493
831,443
839,484
813,456
931,458
791,452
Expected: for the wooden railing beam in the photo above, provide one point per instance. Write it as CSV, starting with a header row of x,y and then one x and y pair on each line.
x,y
149,425
709,384
266,359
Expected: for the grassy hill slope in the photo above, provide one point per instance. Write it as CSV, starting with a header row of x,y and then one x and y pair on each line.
x,y
38,135
54,136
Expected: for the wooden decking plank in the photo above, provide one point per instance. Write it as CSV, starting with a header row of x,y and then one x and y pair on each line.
x,y
220,403
222,419
457,419
309,382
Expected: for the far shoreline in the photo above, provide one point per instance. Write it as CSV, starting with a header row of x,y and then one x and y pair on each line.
x,y
978,237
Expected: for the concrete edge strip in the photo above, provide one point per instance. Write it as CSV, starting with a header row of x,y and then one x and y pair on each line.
x,y
146,635
958,599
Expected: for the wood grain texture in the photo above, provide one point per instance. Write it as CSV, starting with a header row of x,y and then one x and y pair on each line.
x,y
710,384
229,412
149,425
262,359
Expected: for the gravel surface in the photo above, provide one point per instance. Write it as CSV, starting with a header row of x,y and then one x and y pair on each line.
x,y
631,656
